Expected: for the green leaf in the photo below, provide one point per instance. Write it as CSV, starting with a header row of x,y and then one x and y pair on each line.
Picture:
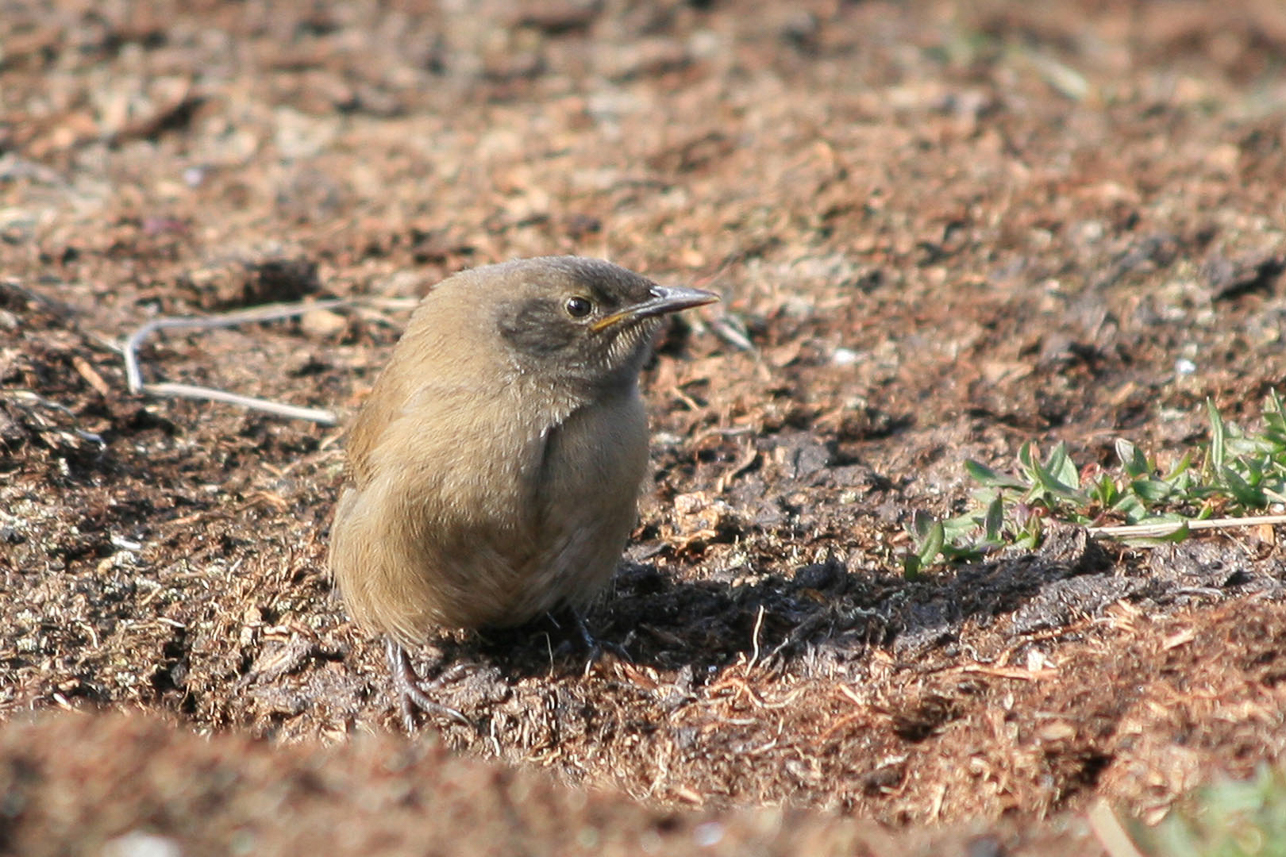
x,y
1131,508
1063,468
1164,518
1032,533
1151,490
1253,470
994,522
1274,419
921,523
1273,405
1179,468
1242,491
1050,479
1218,436
1239,469
932,544
1105,491
970,552
1027,458
1179,534
984,475
1134,462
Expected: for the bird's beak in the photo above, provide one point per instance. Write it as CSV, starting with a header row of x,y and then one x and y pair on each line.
x,y
661,300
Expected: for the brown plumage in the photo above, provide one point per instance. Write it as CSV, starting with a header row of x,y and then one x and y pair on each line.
x,y
495,467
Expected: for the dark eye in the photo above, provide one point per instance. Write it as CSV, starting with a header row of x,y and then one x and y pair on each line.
x,y
578,307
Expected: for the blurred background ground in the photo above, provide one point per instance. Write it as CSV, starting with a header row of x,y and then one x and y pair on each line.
x,y
940,230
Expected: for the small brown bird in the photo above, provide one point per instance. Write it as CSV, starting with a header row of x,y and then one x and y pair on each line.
x,y
494,469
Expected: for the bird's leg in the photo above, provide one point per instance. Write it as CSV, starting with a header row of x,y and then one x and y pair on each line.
x,y
407,685
593,645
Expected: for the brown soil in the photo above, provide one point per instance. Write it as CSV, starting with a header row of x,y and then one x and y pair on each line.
x,y
940,230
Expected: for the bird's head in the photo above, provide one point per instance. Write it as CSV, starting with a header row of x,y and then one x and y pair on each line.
x,y
583,321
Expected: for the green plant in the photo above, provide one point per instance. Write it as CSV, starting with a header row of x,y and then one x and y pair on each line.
x,y
1226,819
1240,472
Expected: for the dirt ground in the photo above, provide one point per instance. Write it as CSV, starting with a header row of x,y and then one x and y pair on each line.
x,y
940,229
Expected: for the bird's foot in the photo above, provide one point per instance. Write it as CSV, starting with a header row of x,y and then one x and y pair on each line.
x,y
410,696
594,647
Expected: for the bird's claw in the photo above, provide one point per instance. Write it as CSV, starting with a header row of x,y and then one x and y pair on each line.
x,y
593,645
410,696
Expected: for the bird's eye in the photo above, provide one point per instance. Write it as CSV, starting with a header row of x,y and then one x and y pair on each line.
x,y
578,307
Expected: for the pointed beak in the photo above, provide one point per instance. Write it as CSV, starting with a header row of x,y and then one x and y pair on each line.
x,y
661,301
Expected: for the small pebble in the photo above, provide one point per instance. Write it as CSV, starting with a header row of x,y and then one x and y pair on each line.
x,y
708,834
139,844
844,357
322,323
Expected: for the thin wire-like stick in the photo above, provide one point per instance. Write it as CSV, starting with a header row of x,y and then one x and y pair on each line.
x,y
1109,832
754,640
192,391
270,312
1153,531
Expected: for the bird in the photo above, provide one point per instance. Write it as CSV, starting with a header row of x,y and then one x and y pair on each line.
x,y
493,472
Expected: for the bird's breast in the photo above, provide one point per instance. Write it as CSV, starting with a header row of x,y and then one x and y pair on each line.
x,y
479,512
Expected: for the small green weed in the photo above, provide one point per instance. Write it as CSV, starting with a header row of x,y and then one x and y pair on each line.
x,y
1225,819
1240,472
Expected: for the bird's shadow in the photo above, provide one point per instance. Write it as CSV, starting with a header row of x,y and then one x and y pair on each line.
x,y
821,612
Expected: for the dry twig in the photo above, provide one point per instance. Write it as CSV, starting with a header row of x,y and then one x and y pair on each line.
x,y
1156,531
270,312
1109,832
